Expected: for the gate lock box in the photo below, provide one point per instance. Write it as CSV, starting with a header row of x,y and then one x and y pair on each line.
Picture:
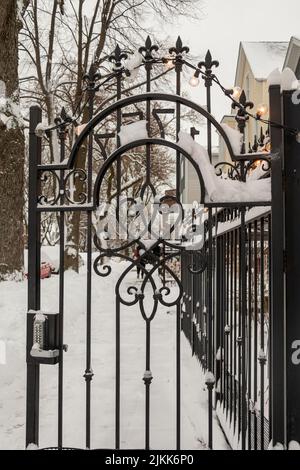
x,y
45,348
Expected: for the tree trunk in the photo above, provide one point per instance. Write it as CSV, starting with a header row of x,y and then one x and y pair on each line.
x,y
12,149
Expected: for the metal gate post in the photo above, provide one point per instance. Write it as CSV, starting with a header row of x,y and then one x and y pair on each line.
x,y
218,321
277,296
291,114
33,369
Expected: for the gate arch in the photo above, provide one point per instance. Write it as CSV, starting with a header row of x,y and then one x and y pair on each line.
x,y
139,143
147,97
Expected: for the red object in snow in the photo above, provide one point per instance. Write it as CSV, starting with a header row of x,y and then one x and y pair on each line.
x,y
46,270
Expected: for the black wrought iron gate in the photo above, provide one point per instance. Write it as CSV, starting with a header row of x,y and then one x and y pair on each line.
x,y
220,289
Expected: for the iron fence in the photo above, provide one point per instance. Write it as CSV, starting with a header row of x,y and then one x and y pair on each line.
x,y
241,326
240,330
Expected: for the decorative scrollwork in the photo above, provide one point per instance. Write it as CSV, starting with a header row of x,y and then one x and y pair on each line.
x,y
51,184
200,264
103,270
263,163
81,176
147,185
56,188
233,170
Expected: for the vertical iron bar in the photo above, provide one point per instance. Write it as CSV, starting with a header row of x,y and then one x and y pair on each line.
x,y
208,104
88,370
226,355
230,332
178,377
219,314
239,341
234,340
117,391
62,135
278,329
147,381
262,337
210,324
222,313
117,397
291,118
34,263
255,384
119,124
249,351
270,346
148,117
243,327
178,69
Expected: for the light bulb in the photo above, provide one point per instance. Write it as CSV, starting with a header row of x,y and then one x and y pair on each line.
x,y
194,81
262,110
79,129
169,64
236,92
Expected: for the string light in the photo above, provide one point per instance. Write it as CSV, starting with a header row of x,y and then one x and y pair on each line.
x,y
79,129
169,64
236,92
194,80
262,110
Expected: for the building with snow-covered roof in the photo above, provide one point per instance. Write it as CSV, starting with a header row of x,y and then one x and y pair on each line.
x,y
256,60
292,59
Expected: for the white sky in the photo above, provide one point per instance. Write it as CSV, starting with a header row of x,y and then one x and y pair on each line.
x,y
223,25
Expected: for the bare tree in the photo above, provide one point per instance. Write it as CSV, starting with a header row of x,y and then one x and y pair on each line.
x,y
11,146
64,41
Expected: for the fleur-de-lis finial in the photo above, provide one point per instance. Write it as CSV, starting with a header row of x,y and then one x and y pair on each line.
x,y
117,57
148,49
63,117
208,65
242,116
61,120
92,76
243,104
255,145
179,49
261,137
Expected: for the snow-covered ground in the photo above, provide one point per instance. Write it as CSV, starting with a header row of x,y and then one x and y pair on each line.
x,y
13,298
